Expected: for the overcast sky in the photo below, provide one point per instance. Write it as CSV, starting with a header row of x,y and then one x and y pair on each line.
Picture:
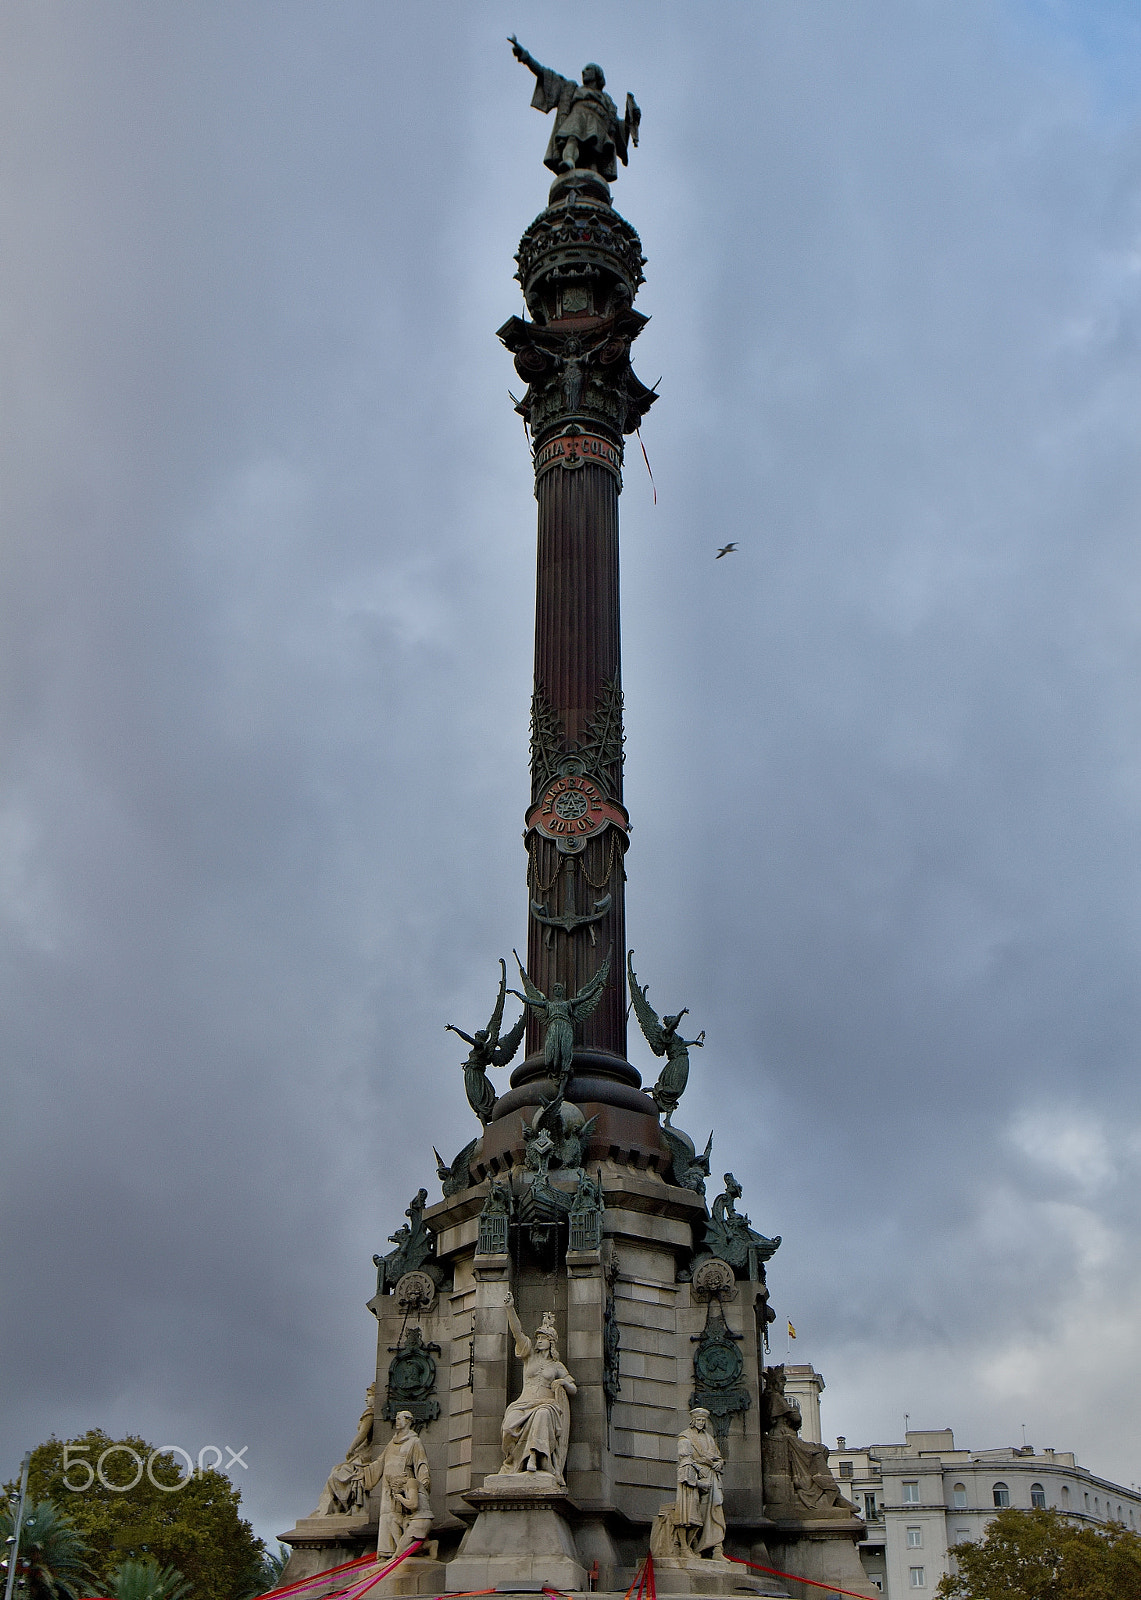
x,y
265,655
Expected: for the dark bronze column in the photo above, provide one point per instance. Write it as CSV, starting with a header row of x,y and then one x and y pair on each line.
x,y
580,265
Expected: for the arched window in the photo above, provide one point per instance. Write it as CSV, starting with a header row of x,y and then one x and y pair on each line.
x,y
1001,1495
1037,1497
1065,1497
959,1497
1096,1506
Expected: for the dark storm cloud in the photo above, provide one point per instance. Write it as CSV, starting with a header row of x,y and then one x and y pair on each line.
x,y
266,619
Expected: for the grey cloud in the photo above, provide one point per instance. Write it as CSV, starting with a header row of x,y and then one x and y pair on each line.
x,y
265,673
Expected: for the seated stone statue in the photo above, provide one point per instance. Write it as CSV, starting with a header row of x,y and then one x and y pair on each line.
x,y
798,1480
536,1426
405,1483
694,1525
347,1487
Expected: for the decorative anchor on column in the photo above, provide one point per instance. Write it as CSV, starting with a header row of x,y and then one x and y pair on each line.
x,y
571,917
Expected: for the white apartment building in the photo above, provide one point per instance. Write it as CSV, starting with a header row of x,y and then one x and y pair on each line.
x,y
924,1496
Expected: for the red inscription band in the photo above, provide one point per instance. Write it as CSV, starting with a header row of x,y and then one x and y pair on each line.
x,y
576,450
574,806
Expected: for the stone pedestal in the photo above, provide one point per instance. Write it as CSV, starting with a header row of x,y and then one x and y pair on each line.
x,y
521,1537
421,1574
319,1543
707,1575
823,1550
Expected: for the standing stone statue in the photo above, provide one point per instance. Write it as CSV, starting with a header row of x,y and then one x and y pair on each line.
x,y
695,1524
587,133
663,1038
405,1483
488,1050
560,1015
536,1426
347,1487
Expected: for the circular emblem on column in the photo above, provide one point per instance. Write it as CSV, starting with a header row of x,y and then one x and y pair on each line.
x,y
573,808
718,1365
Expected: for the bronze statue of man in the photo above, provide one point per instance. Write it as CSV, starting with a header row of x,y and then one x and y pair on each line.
x,y
587,133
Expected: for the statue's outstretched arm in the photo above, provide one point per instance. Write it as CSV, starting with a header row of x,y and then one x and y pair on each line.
x,y
524,56
522,1343
450,1027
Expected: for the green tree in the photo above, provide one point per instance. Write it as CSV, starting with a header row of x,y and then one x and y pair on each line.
x,y
53,1558
1042,1555
272,1568
146,1580
129,1503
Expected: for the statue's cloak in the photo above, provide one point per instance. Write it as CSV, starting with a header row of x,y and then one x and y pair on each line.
x,y
588,115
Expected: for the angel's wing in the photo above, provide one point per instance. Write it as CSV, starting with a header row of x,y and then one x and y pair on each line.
x,y
648,1018
590,994
509,1043
535,996
496,1022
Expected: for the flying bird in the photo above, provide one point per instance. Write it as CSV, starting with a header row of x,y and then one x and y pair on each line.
x,y
725,549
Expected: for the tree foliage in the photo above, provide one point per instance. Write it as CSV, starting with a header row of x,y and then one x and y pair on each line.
x,y
146,1580
272,1568
192,1524
53,1556
1042,1555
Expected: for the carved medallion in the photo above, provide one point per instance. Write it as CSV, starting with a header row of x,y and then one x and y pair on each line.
x,y
718,1370
573,807
715,1279
412,1381
415,1291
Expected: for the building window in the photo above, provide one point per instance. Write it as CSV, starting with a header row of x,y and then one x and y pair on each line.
x,y
845,1469
1065,1497
1001,1495
1037,1497
1086,1498
1096,1506
961,1534
911,1492
918,1577
870,1511
914,1538
959,1497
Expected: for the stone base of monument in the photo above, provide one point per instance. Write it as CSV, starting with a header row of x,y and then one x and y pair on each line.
x,y
319,1543
521,1537
701,1575
821,1551
420,1574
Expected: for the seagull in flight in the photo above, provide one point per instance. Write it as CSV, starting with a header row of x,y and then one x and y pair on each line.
x,y
725,549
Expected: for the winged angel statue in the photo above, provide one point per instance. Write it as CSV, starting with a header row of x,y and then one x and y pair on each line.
x,y
488,1049
560,1015
664,1040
